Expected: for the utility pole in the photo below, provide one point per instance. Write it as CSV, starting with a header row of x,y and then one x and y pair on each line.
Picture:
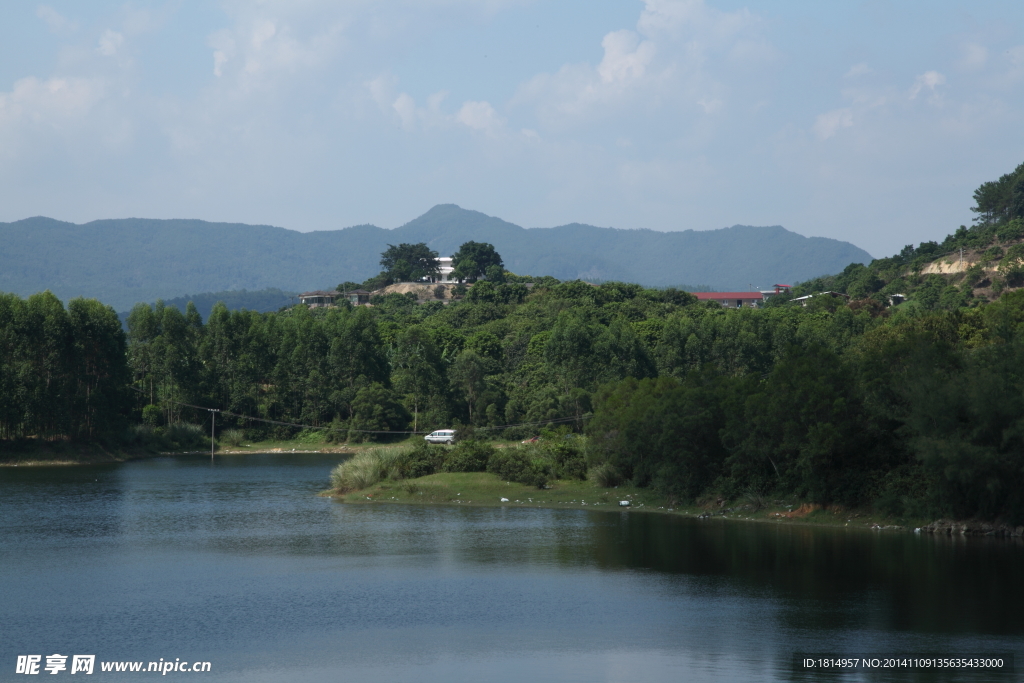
x,y
213,423
961,258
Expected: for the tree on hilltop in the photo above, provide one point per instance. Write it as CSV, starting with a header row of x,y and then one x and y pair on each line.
x,y
474,259
407,262
1001,200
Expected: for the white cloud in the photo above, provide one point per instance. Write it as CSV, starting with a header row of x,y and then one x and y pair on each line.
x,y
41,114
402,107
49,101
263,31
405,106
681,56
382,90
109,43
710,105
829,123
223,44
625,57
858,70
220,58
480,116
55,21
930,80
270,42
974,57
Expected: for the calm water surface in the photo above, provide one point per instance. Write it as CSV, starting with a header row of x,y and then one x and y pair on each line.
x,y
242,565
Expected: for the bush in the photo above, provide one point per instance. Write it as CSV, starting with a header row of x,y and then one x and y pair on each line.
x,y
1012,230
605,475
256,433
175,437
1014,276
152,415
142,435
468,456
182,435
754,497
1014,257
310,436
992,253
515,464
336,432
568,460
421,461
232,437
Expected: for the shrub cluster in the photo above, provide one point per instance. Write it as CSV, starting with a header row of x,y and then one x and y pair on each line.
x,y
178,436
468,456
534,465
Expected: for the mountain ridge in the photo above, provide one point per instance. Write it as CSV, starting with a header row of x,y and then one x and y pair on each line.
x,y
127,260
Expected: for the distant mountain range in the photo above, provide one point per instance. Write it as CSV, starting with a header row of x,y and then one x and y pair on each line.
x,y
261,301
124,261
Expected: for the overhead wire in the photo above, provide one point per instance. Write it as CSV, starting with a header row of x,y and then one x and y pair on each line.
x,y
561,420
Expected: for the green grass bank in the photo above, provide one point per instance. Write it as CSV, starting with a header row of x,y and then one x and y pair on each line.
x,y
552,475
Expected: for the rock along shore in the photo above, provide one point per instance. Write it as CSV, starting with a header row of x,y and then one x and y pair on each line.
x,y
951,528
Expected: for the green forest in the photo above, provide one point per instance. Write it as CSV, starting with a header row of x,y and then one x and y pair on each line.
x,y
913,409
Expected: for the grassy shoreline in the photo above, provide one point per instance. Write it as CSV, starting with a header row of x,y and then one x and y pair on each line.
x,y
33,453
483,489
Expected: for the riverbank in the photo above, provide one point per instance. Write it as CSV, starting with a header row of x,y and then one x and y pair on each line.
x,y
33,453
485,489
40,453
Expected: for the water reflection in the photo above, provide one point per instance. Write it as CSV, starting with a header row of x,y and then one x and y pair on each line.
x,y
242,564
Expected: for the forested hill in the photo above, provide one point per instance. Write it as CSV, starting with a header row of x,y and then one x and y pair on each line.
x,y
125,261
968,268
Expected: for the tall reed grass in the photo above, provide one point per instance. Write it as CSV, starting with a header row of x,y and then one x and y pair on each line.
x,y
232,437
368,467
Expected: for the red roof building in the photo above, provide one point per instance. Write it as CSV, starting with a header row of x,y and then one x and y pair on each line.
x,y
732,299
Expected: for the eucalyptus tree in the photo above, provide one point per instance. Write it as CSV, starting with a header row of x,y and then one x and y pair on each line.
x,y
416,368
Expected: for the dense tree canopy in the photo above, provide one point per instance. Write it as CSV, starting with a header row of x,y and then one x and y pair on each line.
x,y
475,260
409,262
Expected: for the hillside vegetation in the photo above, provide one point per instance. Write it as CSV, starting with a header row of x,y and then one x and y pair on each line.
x,y
968,268
122,262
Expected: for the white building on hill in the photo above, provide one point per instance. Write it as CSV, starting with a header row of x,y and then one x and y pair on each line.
x,y
446,270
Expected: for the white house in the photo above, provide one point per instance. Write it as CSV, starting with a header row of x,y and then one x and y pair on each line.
x,y
445,275
446,270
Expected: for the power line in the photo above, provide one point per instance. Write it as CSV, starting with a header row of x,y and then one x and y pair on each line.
x,y
560,420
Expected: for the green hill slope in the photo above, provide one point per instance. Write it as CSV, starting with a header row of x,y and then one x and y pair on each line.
x,y
125,261
968,268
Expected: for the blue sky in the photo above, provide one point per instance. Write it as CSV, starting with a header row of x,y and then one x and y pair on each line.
x,y
870,121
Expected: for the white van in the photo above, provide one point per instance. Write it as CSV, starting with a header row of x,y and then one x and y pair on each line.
x,y
441,436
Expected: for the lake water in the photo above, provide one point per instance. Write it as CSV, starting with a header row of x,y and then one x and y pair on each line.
x,y
240,564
